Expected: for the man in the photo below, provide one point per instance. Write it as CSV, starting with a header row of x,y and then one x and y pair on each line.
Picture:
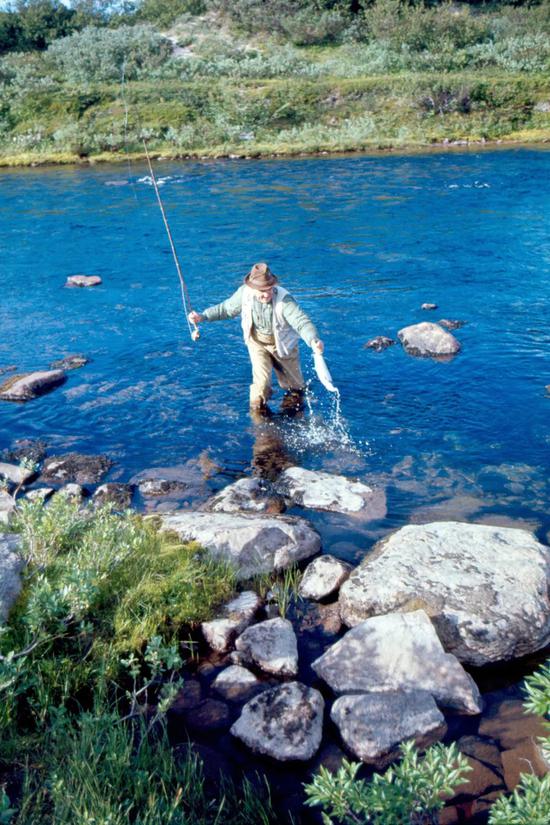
x,y
272,323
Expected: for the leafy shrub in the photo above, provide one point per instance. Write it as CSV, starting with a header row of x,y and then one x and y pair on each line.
x,y
96,54
409,792
306,29
526,53
165,12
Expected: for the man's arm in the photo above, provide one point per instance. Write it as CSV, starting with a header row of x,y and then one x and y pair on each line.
x,y
301,323
229,308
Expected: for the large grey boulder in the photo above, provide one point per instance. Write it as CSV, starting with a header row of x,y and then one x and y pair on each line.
x,y
76,467
11,565
400,651
485,588
251,495
322,577
17,474
271,646
428,339
373,725
284,723
253,544
324,491
236,616
29,385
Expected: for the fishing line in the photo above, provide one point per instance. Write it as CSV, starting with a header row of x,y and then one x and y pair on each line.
x,y
185,298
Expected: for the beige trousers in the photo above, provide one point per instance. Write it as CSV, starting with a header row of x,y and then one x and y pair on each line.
x,y
264,359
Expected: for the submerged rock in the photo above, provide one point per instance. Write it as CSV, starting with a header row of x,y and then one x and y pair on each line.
x,y
272,646
484,588
29,385
284,723
32,449
11,565
322,577
9,368
83,280
324,491
373,725
254,495
428,339
448,323
380,343
77,467
253,544
399,651
70,362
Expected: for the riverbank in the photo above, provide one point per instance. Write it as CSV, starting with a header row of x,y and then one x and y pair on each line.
x,y
274,117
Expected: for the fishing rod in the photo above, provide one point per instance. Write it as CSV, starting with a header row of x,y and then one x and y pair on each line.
x,y
193,330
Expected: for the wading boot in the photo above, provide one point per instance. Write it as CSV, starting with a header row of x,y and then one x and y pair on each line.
x,y
293,401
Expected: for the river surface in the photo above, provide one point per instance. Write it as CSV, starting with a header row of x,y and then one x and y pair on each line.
x,y
361,242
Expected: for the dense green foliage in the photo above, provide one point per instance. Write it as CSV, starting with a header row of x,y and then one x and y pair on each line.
x,y
89,666
395,75
408,793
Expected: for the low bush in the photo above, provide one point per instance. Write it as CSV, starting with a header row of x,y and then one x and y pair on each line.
x,y
99,54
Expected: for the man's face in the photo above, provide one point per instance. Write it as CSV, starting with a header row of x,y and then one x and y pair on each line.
x,y
265,295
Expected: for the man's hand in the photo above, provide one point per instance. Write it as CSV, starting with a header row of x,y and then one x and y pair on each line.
x,y
317,346
195,317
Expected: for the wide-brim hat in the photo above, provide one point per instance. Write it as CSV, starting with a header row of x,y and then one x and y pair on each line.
x,y
260,277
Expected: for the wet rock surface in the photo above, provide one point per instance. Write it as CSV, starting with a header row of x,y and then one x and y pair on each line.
x,y
70,362
236,684
399,651
323,491
83,280
380,343
254,544
32,449
285,723
373,725
11,566
116,493
30,385
271,645
323,577
428,306
449,323
484,588
76,467
428,339
253,495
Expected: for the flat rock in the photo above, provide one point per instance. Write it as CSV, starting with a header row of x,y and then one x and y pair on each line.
x,y
236,684
271,646
285,723
373,725
484,588
253,495
11,565
17,474
399,651
322,577
76,467
428,339
29,385
116,493
7,507
324,491
83,280
70,362
252,543
380,343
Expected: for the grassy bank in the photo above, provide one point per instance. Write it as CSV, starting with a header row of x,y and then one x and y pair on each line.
x,y
205,118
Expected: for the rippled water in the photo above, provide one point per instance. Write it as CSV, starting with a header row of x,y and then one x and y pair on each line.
x,y
362,242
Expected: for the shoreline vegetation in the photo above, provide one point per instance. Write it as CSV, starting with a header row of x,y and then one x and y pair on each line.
x,y
198,80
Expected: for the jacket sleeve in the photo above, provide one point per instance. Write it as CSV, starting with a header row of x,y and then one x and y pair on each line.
x,y
298,320
229,308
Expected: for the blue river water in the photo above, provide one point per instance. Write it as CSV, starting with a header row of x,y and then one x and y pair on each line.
x,y
361,242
